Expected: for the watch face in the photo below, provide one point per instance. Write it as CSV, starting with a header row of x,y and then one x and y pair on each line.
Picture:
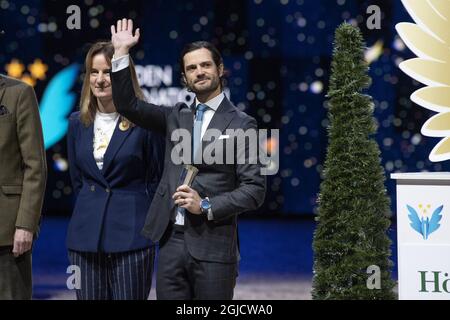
x,y
205,204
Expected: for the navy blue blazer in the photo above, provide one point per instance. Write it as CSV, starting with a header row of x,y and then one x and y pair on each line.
x,y
112,203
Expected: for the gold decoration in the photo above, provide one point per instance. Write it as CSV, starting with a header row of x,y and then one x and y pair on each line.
x,y
124,125
38,69
15,68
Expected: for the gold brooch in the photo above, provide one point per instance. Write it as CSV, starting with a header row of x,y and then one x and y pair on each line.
x,y
124,125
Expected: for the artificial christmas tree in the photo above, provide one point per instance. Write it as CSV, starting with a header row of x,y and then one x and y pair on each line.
x,y
353,213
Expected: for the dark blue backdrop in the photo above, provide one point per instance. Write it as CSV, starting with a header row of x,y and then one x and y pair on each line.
x,y
278,55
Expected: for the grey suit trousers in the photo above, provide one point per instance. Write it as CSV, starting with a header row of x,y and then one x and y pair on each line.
x,y
182,277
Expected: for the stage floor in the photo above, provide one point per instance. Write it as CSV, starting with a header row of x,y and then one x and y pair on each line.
x,y
276,263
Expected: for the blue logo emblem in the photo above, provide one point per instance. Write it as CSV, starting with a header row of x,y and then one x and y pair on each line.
x,y
56,104
425,226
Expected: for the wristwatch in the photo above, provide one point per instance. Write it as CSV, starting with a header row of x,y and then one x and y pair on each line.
x,y
205,205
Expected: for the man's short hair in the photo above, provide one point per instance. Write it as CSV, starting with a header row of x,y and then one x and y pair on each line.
x,y
217,57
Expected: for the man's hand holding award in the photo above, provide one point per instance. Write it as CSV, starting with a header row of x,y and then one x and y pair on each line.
x,y
186,197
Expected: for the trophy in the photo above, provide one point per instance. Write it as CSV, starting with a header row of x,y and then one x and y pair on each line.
x,y
187,175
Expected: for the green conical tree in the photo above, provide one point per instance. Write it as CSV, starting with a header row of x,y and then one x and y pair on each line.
x,y
354,210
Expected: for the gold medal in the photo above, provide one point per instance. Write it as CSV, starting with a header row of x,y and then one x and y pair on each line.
x,y
124,125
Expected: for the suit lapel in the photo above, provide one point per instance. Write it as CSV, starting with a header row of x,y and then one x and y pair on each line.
x,y
114,145
187,120
221,119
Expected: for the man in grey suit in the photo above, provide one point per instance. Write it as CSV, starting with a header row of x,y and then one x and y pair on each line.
x,y
23,174
196,226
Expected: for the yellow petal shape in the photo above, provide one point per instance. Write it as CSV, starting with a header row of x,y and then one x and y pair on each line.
x,y
422,43
429,39
441,151
425,15
433,98
431,73
442,7
437,126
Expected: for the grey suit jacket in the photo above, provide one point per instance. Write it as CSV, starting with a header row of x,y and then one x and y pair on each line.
x,y
231,188
23,169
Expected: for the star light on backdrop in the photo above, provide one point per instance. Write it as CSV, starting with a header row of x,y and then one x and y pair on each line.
x,y
37,71
15,69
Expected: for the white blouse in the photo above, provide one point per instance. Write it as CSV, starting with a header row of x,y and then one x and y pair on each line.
x,y
104,125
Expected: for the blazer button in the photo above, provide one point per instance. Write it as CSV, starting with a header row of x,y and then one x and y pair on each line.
x,y
107,190
92,188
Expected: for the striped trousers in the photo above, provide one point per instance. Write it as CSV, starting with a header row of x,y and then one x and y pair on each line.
x,y
114,276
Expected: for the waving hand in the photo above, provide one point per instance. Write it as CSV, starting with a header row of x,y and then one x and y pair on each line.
x,y
122,37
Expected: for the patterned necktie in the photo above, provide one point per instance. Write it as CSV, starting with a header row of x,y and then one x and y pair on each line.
x,y
197,134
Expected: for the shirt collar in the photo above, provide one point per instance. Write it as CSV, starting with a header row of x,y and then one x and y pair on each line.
x,y
110,115
214,103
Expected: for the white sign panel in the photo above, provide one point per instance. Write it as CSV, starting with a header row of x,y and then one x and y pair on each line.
x,y
423,235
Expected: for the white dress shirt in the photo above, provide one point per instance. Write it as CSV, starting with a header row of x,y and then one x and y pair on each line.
x,y
104,125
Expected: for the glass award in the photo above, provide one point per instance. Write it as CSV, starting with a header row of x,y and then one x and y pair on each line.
x,y
187,175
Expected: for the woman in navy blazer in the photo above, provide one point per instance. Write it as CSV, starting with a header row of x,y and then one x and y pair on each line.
x,y
115,168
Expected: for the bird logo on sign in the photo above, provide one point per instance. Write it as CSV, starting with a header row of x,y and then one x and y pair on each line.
x,y
425,226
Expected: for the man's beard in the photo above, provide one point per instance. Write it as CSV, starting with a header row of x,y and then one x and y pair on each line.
x,y
215,83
